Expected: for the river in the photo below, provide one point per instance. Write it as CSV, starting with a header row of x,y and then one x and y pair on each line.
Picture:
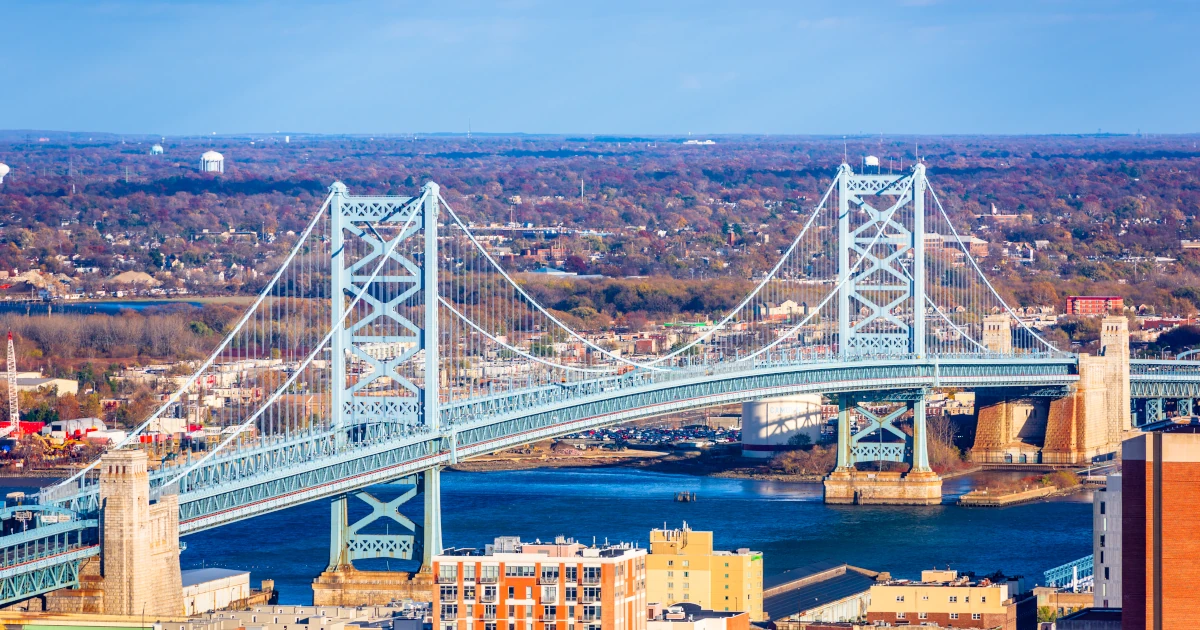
x,y
788,522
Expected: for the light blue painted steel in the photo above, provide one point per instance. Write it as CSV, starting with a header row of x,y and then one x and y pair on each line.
x,y
373,439
1071,573
878,283
352,541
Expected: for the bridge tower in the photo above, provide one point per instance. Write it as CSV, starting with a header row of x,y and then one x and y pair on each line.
x,y
881,314
385,379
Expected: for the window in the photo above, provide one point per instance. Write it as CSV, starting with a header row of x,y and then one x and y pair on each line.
x,y
899,598
1101,557
447,572
512,611
686,585
1101,540
900,615
569,595
1102,507
953,599
954,615
449,611
670,563
491,625
726,565
726,576
468,572
685,563
549,593
550,611
468,592
983,600
1106,573
976,616
448,592
570,573
512,592
549,574
686,596
591,575
922,615
670,585
670,574
727,587
519,570
924,598
470,611
528,592
489,573
685,574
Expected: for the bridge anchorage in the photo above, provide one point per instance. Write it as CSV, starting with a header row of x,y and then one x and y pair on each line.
x,y
391,341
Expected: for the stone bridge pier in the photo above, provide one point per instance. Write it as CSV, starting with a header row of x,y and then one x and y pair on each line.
x,y
138,569
1018,428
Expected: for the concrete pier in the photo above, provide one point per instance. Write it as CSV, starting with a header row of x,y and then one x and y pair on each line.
x,y
857,487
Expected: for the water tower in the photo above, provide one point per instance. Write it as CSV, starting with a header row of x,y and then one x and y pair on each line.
x,y
156,149
212,162
3,171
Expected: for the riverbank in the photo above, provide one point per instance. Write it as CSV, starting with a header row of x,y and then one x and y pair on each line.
x,y
719,462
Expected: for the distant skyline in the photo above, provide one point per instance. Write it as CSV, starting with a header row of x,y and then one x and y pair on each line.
x,y
617,67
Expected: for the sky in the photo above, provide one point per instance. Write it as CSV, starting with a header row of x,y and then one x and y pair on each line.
x,y
665,67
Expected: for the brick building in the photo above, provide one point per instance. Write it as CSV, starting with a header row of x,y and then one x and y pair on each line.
x,y
563,585
1160,489
1094,304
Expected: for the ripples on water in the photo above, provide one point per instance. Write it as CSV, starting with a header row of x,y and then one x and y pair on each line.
x,y
786,521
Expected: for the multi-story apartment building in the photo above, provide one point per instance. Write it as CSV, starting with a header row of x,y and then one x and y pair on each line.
x,y
683,568
1106,544
564,585
951,601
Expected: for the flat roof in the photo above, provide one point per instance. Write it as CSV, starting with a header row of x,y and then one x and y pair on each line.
x,y
192,577
817,594
799,573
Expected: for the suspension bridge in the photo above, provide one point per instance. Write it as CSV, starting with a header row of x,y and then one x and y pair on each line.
x,y
390,342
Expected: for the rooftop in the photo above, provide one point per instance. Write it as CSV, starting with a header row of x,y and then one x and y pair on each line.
x,y
192,577
562,547
818,584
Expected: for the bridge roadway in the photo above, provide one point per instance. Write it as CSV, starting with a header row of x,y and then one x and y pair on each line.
x,y
270,476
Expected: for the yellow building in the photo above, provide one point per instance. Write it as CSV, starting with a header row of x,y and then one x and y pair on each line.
x,y
952,601
683,568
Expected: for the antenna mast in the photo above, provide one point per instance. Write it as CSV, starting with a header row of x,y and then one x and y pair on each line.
x,y
13,414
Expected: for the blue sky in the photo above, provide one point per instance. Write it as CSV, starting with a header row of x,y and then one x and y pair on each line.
x,y
612,66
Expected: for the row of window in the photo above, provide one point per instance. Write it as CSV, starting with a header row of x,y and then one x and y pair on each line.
x,y
449,572
953,599
587,613
974,616
491,625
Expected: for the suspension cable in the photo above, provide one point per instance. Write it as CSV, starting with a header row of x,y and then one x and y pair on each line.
x,y
174,398
979,271
320,347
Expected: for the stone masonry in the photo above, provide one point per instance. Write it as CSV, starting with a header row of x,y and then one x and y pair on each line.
x,y
139,558
1090,421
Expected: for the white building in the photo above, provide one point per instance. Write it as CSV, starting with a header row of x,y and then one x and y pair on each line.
x,y
206,590
156,149
1106,543
212,162
769,425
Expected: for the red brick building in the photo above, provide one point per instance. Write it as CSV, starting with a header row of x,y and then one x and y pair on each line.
x,y
1094,304
1160,519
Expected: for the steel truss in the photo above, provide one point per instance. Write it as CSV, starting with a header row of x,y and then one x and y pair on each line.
x,y
881,306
